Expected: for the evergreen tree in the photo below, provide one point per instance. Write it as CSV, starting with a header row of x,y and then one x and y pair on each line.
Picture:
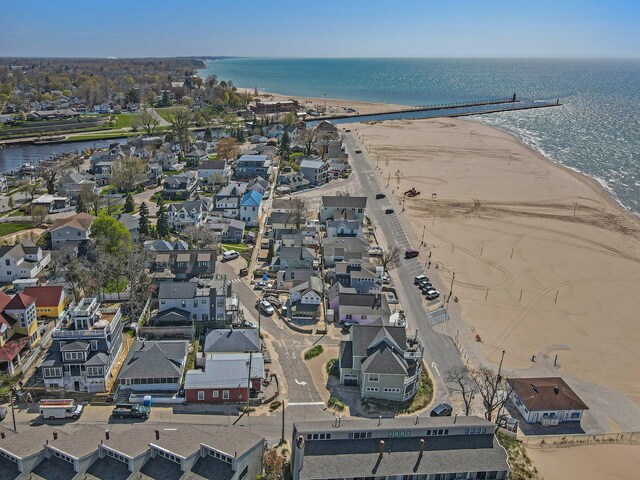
x,y
81,206
160,201
129,204
208,136
144,224
284,146
162,225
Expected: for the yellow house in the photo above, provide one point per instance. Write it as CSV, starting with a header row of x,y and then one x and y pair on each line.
x,y
50,301
18,329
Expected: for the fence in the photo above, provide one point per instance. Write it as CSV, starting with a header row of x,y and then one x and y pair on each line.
x,y
438,316
572,440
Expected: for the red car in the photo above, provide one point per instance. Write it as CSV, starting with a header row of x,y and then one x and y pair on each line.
x,y
411,254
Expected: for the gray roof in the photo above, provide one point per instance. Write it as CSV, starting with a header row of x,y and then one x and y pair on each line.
x,y
232,340
74,346
97,360
442,454
78,442
225,370
364,335
344,202
312,164
148,359
177,290
363,304
313,283
385,360
129,221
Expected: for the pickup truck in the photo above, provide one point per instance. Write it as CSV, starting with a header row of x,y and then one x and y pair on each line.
x,y
128,410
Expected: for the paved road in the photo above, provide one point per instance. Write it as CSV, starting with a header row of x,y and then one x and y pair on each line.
x,y
440,350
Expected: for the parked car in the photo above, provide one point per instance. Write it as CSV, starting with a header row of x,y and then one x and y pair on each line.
x,y
388,211
411,254
265,307
380,195
230,255
420,278
262,285
358,151
243,272
248,324
3,413
386,279
432,294
425,287
346,326
442,410
376,250
131,410
60,408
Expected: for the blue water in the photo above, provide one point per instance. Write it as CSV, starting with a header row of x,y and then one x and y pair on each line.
x,y
596,131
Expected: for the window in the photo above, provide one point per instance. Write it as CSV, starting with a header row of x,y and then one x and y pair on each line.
x,y
94,345
349,317
195,303
184,303
200,395
205,317
244,472
216,394
8,262
225,394
74,356
371,389
52,372
575,414
374,377
94,371
358,435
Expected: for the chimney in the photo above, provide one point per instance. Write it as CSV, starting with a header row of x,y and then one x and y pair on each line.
x,y
157,434
55,435
379,420
421,446
106,434
455,418
417,419
556,390
2,434
381,444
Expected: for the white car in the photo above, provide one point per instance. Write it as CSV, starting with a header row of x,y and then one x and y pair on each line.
x,y
230,255
376,250
266,308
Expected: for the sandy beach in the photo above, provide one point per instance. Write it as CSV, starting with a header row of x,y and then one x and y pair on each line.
x,y
545,260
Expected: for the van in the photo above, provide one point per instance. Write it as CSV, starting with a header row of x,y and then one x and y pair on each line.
x,y
64,408
230,255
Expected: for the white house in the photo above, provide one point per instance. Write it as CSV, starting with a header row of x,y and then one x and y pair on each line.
x,y
251,208
187,214
546,400
102,108
209,168
23,260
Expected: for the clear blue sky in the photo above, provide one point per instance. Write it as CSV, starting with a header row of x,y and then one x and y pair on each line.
x,y
325,28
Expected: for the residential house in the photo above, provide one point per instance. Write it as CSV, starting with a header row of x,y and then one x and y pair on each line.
x,y
84,348
402,447
185,264
227,230
337,249
360,274
315,171
344,228
251,208
53,203
165,246
334,149
154,172
18,330
259,185
382,361
292,257
284,205
232,340
22,260
361,308
168,160
546,400
188,214
182,186
102,108
290,181
195,156
131,223
248,167
228,199
51,300
187,303
305,300
70,230
343,207
154,366
292,277
210,168
74,183
225,378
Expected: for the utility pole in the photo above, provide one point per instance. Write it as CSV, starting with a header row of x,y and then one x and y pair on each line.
x,y
282,437
259,324
424,227
249,380
13,413
500,367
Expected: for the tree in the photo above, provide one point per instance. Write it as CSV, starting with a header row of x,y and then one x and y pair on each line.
x,y
50,180
92,200
81,205
110,235
138,279
208,136
307,137
73,271
147,122
493,388
143,223
162,224
459,382
39,214
290,118
390,258
166,99
128,172
132,96
180,122
219,179
273,464
285,143
32,189
11,202
129,204
299,211
111,205
227,149
200,237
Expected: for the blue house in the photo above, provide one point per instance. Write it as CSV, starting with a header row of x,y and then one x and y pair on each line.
x,y
251,208
249,167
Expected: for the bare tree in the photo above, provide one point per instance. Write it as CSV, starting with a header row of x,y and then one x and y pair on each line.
x,y
128,172
200,237
92,200
274,463
74,272
306,138
180,122
39,214
459,381
390,258
227,149
299,211
138,279
219,179
111,204
493,388
32,188
148,122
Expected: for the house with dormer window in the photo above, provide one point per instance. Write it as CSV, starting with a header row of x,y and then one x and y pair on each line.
x,y
18,330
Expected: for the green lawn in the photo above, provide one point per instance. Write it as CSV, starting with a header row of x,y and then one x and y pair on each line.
x,y
165,112
124,120
116,286
13,227
213,156
238,247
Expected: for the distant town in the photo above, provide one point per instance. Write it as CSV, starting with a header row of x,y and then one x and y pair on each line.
x,y
224,290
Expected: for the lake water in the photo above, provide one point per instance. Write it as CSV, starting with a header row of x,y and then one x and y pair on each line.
x,y
596,131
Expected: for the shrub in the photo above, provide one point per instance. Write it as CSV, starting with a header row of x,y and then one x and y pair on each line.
x,y
313,352
335,403
332,367
275,404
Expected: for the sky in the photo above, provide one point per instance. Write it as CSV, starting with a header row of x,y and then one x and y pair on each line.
x,y
325,28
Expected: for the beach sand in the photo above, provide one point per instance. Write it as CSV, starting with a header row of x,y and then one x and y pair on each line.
x,y
621,462
333,106
545,261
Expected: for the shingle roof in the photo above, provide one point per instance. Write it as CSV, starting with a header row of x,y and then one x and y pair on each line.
x,y
225,370
237,340
546,393
251,198
154,359
81,221
344,202
20,301
177,290
46,296
212,165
